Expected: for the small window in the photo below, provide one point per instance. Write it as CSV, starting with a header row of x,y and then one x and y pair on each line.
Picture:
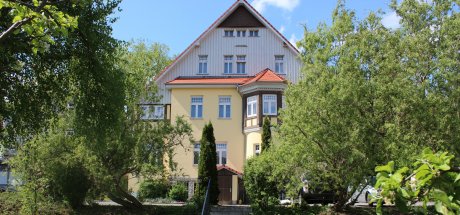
x,y
69,132
197,107
279,64
241,33
253,33
241,64
159,112
221,152
225,106
228,33
203,64
150,112
196,153
257,149
269,104
228,64
252,106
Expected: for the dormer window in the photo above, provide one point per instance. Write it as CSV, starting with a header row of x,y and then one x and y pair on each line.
x,y
241,33
203,64
228,33
253,33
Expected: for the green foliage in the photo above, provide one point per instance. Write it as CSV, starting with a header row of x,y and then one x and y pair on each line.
x,y
266,134
150,189
430,179
51,170
207,169
366,90
260,183
178,192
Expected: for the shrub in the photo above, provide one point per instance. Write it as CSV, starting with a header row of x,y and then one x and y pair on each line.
x,y
150,189
179,192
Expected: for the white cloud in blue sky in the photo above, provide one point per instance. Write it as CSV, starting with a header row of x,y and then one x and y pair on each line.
x,y
288,5
391,20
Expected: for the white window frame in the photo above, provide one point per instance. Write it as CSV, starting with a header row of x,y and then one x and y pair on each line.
x,y
229,33
253,33
196,153
279,64
202,64
271,101
151,112
194,102
241,64
220,149
251,106
228,64
241,33
257,149
226,103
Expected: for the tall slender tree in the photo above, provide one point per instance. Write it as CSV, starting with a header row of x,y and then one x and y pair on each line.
x,y
266,134
207,169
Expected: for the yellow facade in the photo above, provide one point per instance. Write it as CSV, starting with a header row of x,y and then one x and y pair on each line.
x,y
226,131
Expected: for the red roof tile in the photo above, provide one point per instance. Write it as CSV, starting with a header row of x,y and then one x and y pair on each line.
x,y
266,75
210,80
229,169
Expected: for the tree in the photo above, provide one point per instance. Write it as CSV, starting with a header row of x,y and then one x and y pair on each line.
x,y
207,169
366,90
432,179
266,134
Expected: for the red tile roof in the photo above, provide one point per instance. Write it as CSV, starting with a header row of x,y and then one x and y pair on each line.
x,y
210,80
266,75
219,168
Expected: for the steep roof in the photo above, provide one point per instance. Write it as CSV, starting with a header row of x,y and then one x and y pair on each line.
x,y
220,20
266,75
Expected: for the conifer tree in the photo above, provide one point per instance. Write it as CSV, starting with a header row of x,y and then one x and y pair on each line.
x,y
266,134
207,165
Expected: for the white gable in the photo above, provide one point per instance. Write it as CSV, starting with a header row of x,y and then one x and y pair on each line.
x,y
259,51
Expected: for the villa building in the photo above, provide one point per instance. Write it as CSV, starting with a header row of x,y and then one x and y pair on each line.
x,y
233,75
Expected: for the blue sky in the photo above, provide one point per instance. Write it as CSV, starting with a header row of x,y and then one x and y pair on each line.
x,y
177,23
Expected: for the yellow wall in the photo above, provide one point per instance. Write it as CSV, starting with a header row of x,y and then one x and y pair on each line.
x,y
227,131
252,138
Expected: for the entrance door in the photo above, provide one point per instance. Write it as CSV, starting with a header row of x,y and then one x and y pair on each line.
x,y
225,188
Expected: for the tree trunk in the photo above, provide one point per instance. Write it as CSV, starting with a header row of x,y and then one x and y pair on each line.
x,y
124,198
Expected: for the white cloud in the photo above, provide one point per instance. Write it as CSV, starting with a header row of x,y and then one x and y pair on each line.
x,y
288,5
282,29
391,20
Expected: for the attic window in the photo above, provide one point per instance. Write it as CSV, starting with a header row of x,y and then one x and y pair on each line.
x,y
253,33
241,33
228,33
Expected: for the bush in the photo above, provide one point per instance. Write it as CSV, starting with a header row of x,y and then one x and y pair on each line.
x,y
179,192
150,189
260,187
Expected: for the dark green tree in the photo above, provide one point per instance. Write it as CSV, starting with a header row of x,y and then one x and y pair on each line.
x,y
207,169
266,134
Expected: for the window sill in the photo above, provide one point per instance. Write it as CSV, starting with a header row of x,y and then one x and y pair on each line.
x,y
235,74
270,114
251,117
195,118
220,118
204,74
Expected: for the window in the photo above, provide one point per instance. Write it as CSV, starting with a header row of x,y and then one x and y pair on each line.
x,y
228,33
197,107
203,64
241,64
269,104
224,106
221,151
228,63
241,33
257,149
279,64
152,112
196,153
252,106
254,33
